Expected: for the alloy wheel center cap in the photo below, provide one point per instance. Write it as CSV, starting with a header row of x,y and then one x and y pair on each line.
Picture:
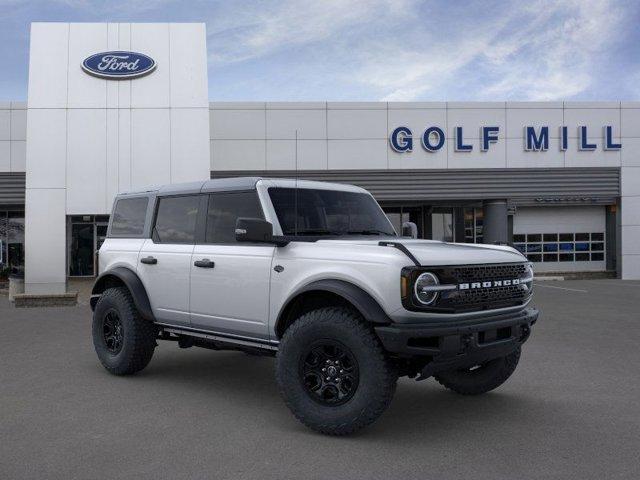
x,y
331,370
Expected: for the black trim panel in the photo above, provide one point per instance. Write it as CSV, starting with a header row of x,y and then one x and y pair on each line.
x,y
132,282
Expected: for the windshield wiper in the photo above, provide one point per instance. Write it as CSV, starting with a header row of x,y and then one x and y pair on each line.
x,y
368,232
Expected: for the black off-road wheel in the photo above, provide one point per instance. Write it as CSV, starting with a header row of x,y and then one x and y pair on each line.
x,y
480,378
122,339
333,373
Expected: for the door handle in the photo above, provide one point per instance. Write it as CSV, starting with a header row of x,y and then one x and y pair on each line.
x,y
204,263
149,260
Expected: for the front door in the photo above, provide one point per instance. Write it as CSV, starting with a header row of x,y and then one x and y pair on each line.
x,y
230,280
164,262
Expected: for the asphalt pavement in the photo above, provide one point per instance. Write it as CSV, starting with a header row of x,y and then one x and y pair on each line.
x,y
570,411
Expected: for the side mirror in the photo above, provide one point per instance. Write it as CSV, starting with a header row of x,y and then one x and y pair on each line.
x,y
409,229
256,230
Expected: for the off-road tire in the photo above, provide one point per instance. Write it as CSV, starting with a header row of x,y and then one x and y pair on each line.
x,y
485,378
138,335
376,375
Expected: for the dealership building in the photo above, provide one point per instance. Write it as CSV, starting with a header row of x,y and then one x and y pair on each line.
x,y
119,106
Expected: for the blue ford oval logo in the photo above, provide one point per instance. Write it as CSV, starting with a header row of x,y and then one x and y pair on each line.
x,y
118,65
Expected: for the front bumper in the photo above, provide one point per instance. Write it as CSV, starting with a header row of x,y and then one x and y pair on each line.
x,y
458,344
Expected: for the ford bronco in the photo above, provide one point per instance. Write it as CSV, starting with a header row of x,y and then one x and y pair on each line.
x,y
314,274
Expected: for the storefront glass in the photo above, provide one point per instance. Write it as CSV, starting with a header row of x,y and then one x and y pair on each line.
x,y
11,242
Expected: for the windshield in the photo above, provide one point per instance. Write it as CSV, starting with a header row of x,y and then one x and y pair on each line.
x,y
328,212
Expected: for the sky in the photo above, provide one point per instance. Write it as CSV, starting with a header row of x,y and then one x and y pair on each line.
x,y
377,50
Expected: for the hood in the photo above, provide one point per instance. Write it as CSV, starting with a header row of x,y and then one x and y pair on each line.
x,y
432,252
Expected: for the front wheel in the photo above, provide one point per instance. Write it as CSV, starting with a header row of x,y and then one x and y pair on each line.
x,y
333,373
122,339
480,378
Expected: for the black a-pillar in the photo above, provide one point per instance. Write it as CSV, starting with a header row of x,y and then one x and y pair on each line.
x,y
495,221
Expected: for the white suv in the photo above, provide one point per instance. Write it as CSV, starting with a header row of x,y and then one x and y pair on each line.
x,y
314,274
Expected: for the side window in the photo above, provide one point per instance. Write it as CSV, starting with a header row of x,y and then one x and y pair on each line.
x,y
176,219
129,216
224,210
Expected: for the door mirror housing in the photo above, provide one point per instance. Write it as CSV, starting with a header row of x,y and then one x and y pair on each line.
x,y
256,230
409,229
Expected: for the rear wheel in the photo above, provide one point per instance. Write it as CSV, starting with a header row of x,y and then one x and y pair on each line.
x,y
480,378
122,339
332,372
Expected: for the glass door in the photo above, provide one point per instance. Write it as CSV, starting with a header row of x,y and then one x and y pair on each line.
x,y
82,250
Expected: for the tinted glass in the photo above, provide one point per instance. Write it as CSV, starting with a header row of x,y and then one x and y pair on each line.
x,y
328,212
224,210
176,219
128,216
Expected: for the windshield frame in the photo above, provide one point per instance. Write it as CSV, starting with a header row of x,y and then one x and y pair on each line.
x,y
278,229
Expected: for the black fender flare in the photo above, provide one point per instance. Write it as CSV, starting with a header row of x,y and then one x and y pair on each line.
x,y
368,307
132,282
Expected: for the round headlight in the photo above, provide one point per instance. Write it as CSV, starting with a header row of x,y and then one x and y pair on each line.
x,y
422,288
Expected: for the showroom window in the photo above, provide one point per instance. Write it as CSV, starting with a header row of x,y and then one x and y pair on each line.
x,y
11,242
561,247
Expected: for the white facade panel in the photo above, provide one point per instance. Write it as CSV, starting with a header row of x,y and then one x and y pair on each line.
x,y
238,154
18,156
630,181
154,90
312,155
188,65
518,157
310,124
48,60
189,144
5,124
46,148
5,156
150,147
418,120
111,163
418,157
357,124
86,161
281,154
357,154
495,157
237,124
630,120
86,91
472,119
45,241
597,158
124,149
18,124
519,118
594,119
630,153
124,86
630,234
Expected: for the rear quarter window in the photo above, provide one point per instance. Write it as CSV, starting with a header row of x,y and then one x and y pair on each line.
x,y
129,216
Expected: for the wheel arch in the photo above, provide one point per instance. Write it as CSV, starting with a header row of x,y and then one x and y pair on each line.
x,y
328,292
123,277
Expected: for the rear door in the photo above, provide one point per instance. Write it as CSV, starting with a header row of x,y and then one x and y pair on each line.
x,y
230,280
164,262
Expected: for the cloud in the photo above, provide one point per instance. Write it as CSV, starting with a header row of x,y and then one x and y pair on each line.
x,y
543,51
255,32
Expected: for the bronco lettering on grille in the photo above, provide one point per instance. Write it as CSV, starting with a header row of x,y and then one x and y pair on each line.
x,y
488,284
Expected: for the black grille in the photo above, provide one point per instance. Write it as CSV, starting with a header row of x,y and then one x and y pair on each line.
x,y
477,273
485,297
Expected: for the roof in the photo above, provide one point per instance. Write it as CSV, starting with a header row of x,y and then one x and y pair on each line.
x,y
235,183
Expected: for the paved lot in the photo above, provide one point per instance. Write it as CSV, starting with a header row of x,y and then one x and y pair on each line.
x,y
571,410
